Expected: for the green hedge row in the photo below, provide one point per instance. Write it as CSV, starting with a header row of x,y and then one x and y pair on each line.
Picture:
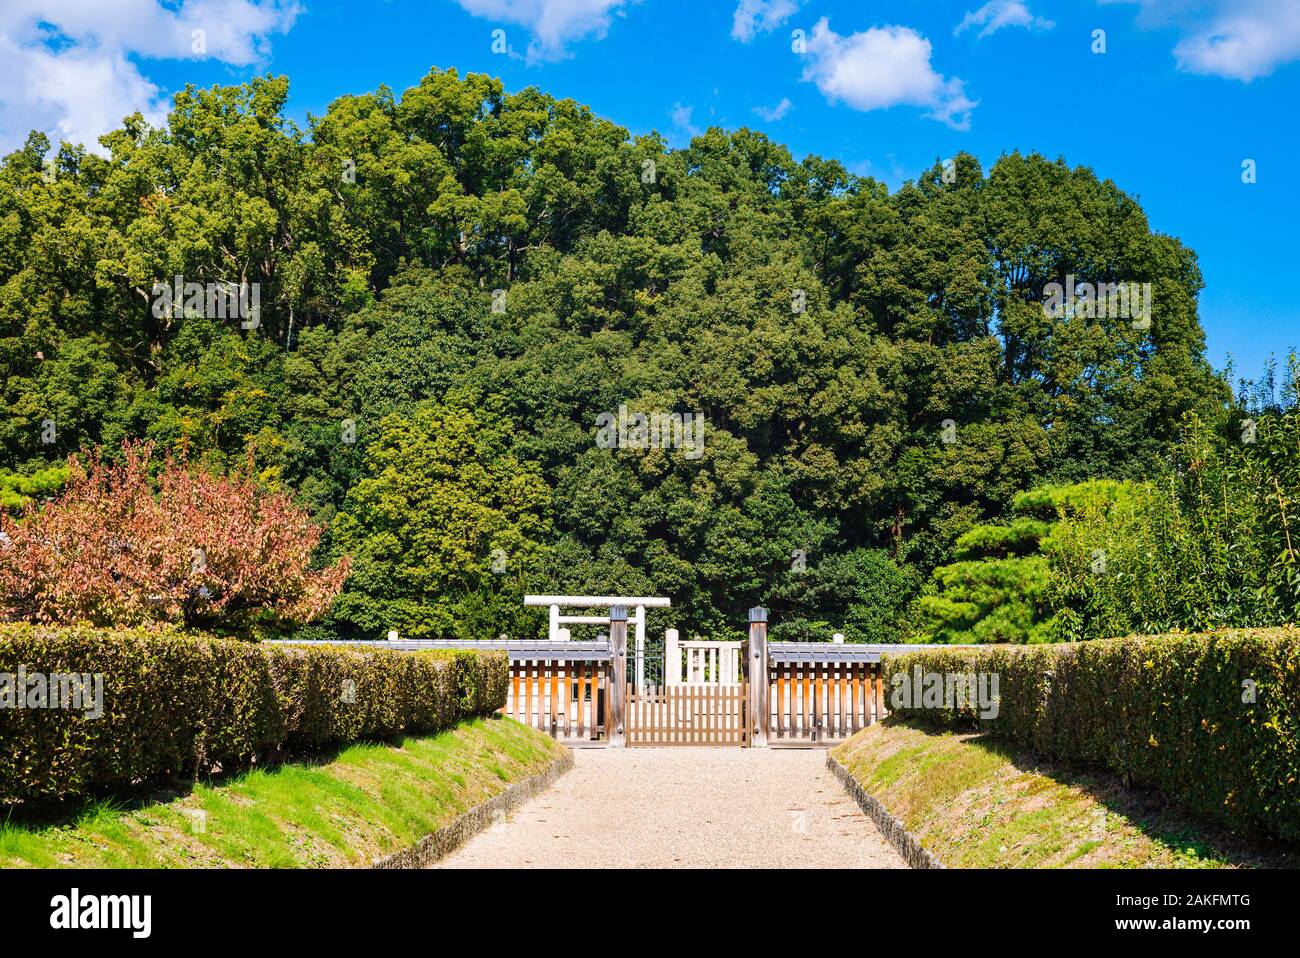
x,y
176,705
1213,721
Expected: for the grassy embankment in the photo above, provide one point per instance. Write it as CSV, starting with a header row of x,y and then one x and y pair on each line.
x,y
974,802
364,802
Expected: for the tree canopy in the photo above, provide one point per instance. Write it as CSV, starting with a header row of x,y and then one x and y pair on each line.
x,y
457,282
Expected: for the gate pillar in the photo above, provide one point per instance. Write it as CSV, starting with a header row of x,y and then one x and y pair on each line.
x,y
672,658
617,684
756,669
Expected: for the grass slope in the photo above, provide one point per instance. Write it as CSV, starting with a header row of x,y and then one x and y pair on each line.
x,y
365,802
976,803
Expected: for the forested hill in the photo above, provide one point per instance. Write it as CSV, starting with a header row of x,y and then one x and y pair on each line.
x,y
464,280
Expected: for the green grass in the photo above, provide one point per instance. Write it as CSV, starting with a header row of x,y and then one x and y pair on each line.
x,y
976,803
364,802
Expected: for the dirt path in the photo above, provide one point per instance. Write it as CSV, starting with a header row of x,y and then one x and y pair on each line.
x,y
686,808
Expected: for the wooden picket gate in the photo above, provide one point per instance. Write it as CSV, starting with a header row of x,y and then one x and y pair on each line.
x,y
712,714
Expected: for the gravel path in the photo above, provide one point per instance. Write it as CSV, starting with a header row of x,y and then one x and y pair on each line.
x,y
686,808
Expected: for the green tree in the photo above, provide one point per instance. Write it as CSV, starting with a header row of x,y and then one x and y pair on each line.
x,y
1001,589
443,527
862,593
1209,544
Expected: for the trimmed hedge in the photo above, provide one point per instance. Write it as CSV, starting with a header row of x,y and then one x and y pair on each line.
x,y
177,705
1174,712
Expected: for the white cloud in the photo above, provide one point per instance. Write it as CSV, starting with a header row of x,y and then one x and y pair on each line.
x,y
884,67
681,117
773,113
66,66
760,16
996,14
554,24
1238,39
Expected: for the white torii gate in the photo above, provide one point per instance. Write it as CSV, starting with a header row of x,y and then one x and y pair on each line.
x,y
637,618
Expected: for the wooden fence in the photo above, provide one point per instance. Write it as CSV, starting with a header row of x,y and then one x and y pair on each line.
x,y
821,702
814,693
808,694
755,693
565,699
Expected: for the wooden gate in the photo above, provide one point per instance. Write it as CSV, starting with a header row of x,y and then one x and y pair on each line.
x,y
712,714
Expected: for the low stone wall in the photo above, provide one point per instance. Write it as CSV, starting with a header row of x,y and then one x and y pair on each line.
x,y
465,826
912,851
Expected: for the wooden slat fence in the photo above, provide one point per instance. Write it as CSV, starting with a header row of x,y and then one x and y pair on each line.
x,y
821,702
564,699
755,693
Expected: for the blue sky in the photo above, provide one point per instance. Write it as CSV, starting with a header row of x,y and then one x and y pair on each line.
x,y
1185,92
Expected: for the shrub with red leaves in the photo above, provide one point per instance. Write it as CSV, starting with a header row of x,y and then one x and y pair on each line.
x,y
118,548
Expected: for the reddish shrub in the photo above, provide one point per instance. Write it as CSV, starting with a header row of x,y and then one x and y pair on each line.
x,y
118,548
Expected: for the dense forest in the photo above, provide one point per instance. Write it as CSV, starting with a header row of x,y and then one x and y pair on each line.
x,y
453,286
